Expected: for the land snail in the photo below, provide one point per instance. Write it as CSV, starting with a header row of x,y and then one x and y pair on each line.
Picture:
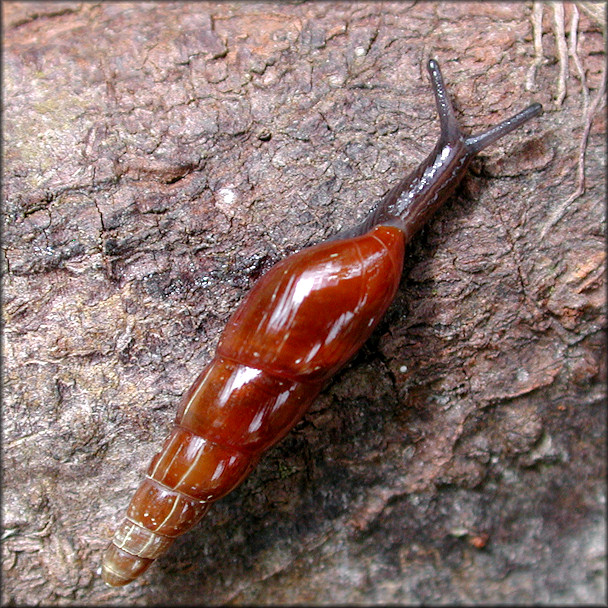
x,y
301,322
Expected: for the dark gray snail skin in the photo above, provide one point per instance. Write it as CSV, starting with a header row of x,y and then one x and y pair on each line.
x,y
301,322
412,201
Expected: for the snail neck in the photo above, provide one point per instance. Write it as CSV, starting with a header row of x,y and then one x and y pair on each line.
x,y
414,199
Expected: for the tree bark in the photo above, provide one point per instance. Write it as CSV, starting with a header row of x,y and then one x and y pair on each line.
x,y
160,156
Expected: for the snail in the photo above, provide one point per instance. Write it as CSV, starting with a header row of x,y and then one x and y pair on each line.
x,y
301,322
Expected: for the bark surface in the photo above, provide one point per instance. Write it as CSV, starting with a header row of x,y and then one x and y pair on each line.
x,y
159,157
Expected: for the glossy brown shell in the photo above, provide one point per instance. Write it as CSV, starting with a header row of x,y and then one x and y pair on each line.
x,y
300,323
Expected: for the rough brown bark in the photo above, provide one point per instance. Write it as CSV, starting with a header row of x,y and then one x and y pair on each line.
x,y
158,157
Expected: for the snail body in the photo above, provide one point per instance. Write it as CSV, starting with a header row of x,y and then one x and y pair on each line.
x,y
301,322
